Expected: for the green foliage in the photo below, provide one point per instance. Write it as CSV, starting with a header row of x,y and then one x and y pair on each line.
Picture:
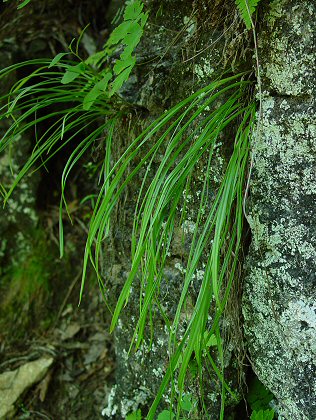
x,y
72,73
246,9
20,4
210,340
25,287
184,136
24,3
262,415
137,415
82,104
258,395
259,398
127,35
32,102
98,89
166,415
31,275
186,403
187,407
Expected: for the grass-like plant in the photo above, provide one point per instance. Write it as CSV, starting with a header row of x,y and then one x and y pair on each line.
x,y
74,99
20,4
185,134
55,112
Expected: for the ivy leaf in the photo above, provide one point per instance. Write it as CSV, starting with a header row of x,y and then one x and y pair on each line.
x,y
166,415
143,19
97,90
121,64
133,37
137,415
120,79
212,341
186,403
120,32
133,10
129,33
94,59
72,73
258,396
262,415
56,59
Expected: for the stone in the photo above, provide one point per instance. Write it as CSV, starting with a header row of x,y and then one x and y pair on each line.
x,y
14,383
280,288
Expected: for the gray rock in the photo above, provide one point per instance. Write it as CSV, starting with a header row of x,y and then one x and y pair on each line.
x,y
280,289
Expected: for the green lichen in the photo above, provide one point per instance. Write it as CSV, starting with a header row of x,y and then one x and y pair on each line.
x,y
204,69
291,63
278,303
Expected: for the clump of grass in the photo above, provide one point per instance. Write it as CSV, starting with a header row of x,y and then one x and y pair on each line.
x,y
185,134
155,217
55,112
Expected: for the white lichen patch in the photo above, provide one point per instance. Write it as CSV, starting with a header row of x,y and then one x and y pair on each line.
x,y
292,60
299,326
188,227
111,408
204,69
285,146
126,405
199,275
293,239
158,372
131,405
180,267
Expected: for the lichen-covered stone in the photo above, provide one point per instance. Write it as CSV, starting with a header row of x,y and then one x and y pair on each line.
x,y
287,41
280,287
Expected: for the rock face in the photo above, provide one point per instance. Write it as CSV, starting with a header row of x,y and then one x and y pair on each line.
x,y
280,288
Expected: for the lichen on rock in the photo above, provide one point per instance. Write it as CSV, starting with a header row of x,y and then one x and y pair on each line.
x,y
280,288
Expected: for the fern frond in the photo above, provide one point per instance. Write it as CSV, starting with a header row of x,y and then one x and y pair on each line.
x,y
246,9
